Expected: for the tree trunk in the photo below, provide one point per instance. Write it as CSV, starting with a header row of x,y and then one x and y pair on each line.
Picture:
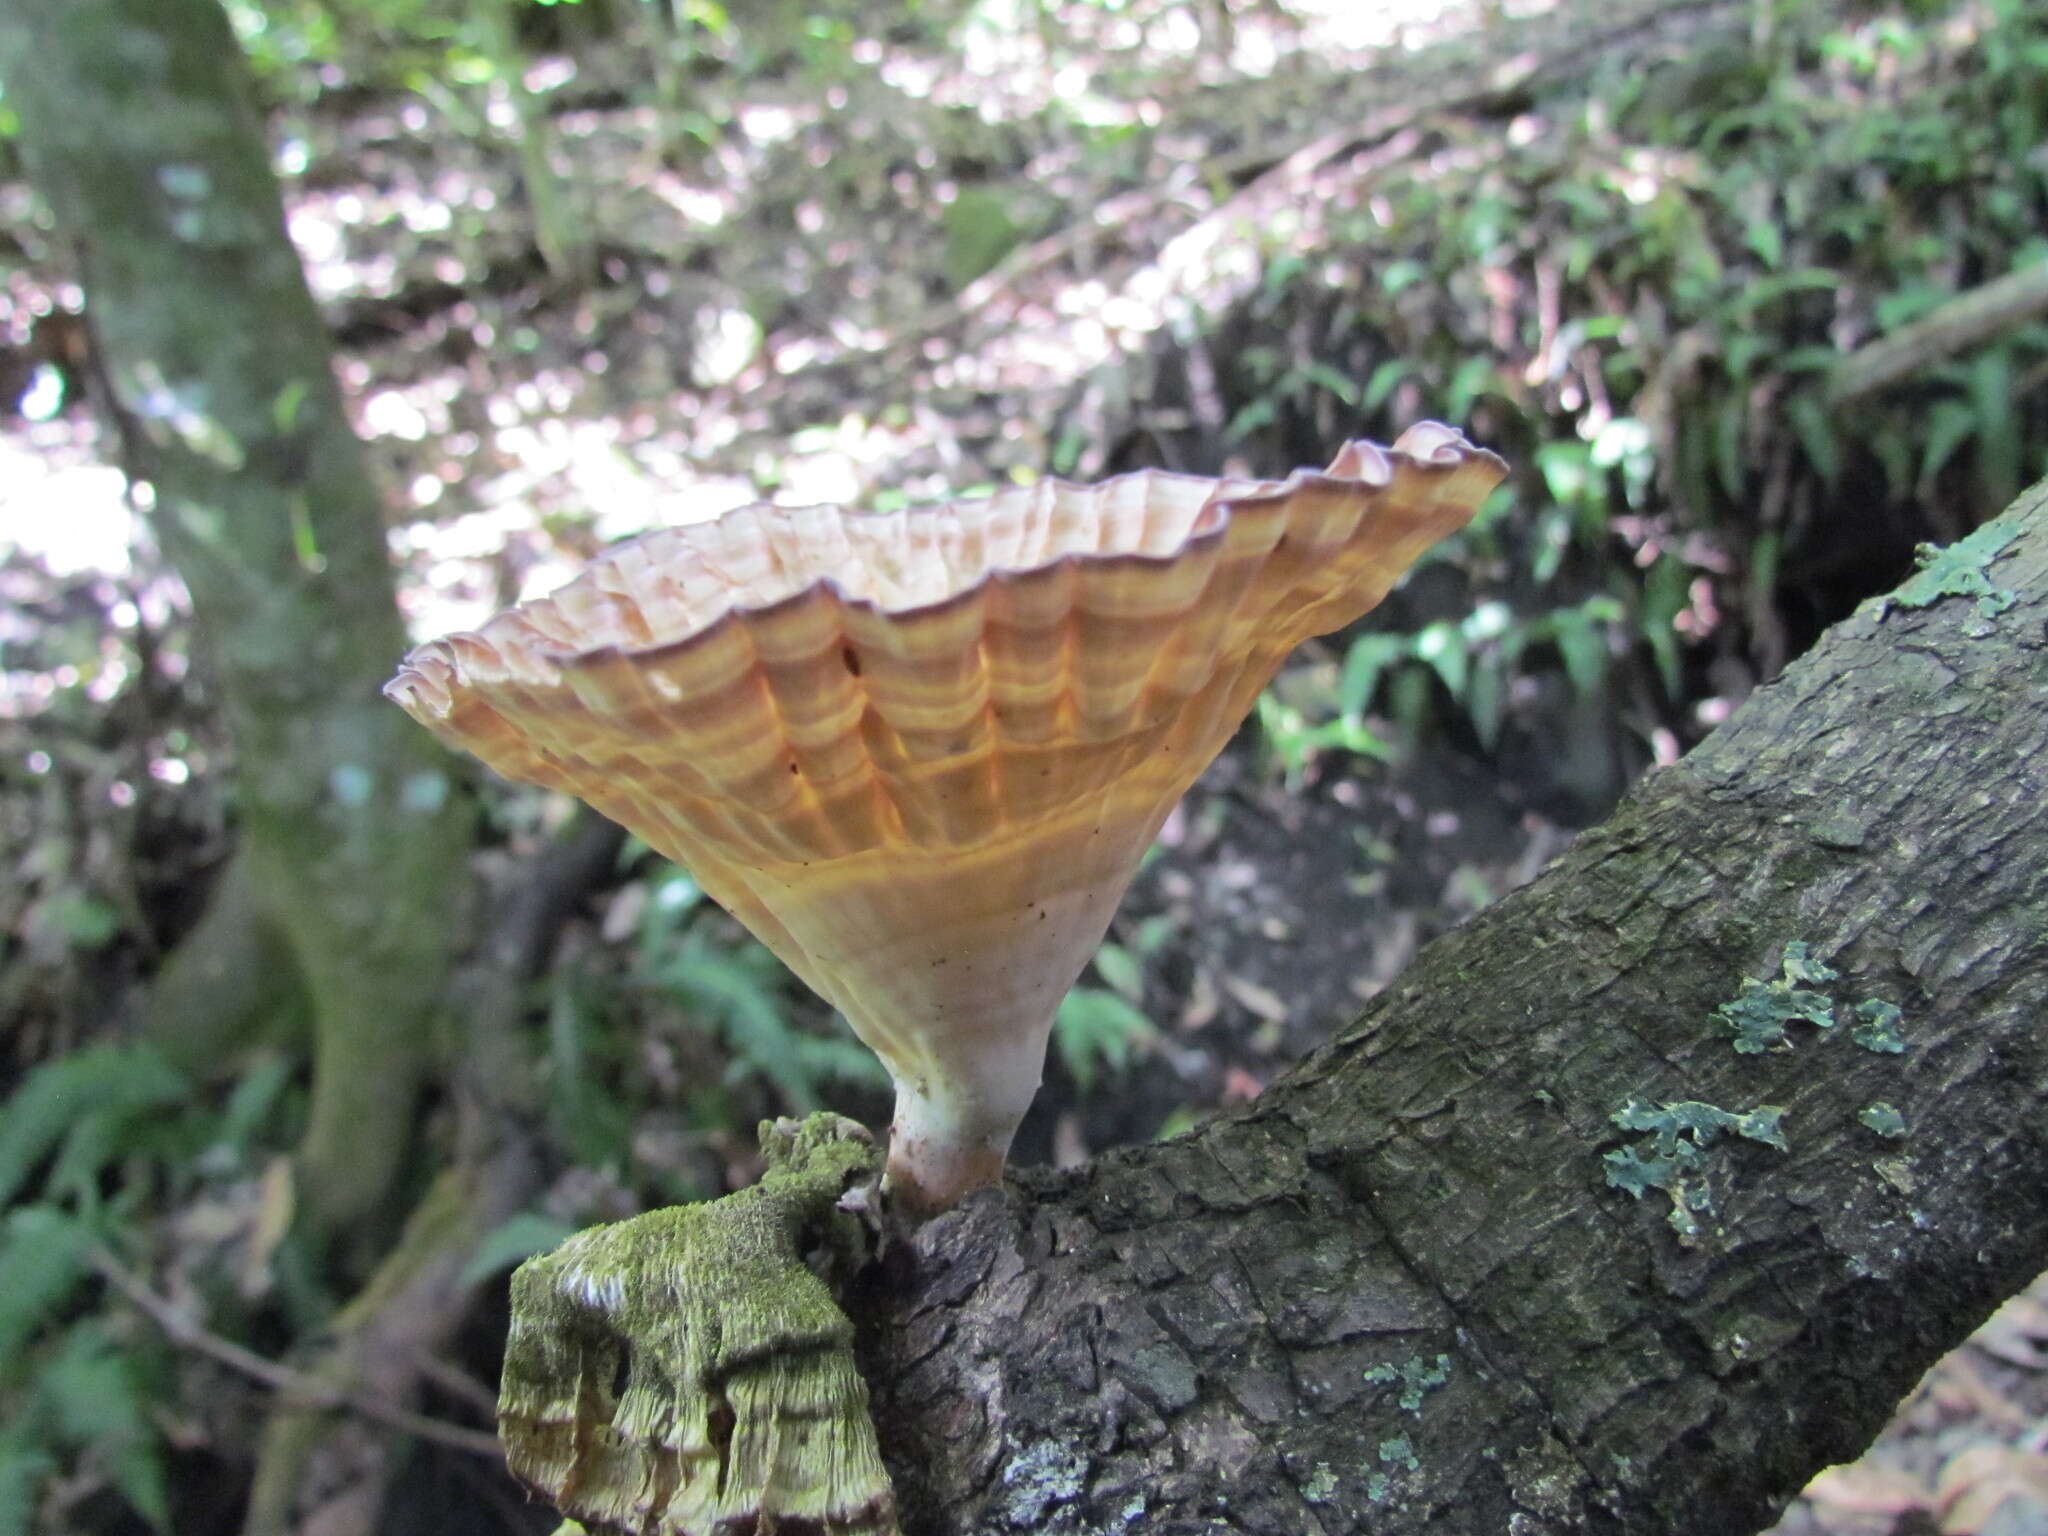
x,y
1402,1291
137,122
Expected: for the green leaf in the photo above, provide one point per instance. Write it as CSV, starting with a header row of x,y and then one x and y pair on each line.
x,y
1816,434
96,1401
1442,645
1383,382
1330,379
981,228
1177,1123
1665,595
1402,274
77,1097
1369,656
1993,397
1768,290
1094,1029
1950,424
1117,966
1767,240
513,1242
1486,696
1262,412
1476,376
254,1098
1912,300
43,1257
1155,931
23,1466
88,922
581,1112
1581,642
1566,466
1731,461
742,995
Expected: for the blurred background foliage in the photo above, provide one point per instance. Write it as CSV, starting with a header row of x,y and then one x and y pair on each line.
x,y
595,264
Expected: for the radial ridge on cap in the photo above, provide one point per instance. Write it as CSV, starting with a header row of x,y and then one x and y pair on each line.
x,y
799,684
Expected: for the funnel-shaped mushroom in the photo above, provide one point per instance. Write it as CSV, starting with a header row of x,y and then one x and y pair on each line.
x,y
921,753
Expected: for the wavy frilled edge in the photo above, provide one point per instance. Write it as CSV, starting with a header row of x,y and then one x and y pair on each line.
x,y
536,641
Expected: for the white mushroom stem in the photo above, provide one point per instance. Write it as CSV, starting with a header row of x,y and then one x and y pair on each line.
x,y
953,1128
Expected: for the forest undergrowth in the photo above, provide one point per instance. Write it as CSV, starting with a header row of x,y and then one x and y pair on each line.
x,y
596,266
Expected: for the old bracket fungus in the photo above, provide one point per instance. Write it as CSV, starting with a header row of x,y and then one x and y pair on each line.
x,y
920,753
690,1370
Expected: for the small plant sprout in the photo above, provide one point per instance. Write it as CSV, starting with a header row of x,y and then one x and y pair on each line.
x,y
920,753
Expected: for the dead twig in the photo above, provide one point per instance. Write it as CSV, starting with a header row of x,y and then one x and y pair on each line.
x,y
1967,320
301,1389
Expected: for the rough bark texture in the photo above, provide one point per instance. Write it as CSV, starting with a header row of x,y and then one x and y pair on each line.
x,y
138,126
1398,1293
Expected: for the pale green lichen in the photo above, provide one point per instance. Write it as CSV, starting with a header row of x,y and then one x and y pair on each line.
x,y
1397,1452
1758,1014
1321,1485
1799,965
1877,1027
689,1370
1041,1477
1884,1120
1675,1162
1127,1517
1958,571
1417,1376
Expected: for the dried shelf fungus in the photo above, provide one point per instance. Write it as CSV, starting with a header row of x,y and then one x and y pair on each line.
x,y
920,753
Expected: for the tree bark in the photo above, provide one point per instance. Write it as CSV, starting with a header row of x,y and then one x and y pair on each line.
x,y
1398,1293
137,122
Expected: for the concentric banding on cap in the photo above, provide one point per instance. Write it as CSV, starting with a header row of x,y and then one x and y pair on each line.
x,y
797,690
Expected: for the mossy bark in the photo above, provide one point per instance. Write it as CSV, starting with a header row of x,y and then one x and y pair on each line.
x,y
1400,1293
137,122
689,1371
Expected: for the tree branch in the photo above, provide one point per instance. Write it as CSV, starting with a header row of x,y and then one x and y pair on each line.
x,y
1967,320
1401,1292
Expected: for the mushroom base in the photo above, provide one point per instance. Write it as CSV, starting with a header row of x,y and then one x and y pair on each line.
x,y
949,1139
